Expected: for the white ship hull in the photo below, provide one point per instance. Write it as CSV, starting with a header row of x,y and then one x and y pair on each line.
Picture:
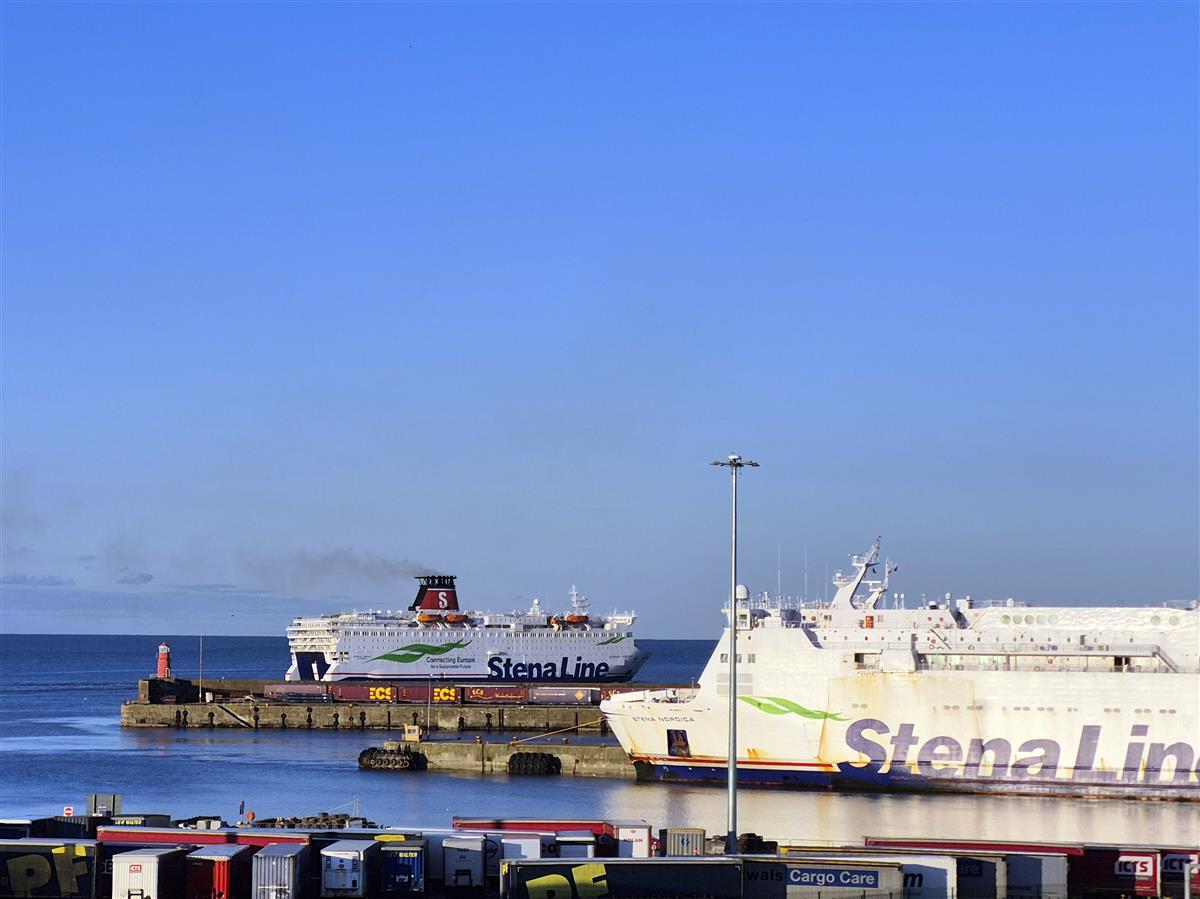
x,y
1089,702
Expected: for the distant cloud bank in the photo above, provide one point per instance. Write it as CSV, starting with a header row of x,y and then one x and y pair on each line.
x,y
36,580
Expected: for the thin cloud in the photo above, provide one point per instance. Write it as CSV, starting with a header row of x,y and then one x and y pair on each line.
x,y
138,579
223,589
36,580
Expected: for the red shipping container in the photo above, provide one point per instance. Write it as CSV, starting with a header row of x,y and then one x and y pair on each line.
x,y
265,836
360,692
505,694
161,836
1131,870
219,872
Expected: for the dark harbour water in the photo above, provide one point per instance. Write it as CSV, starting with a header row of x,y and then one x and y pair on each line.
x,y
60,741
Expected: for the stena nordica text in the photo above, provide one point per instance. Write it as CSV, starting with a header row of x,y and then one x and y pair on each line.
x,y
435,639
955,696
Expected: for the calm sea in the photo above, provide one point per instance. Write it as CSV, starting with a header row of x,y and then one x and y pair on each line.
x,y
60,741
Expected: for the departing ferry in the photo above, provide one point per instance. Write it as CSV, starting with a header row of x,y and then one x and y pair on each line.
x,y
436,639
955,695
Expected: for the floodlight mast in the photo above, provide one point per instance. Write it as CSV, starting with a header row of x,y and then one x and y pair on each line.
x,y
735,464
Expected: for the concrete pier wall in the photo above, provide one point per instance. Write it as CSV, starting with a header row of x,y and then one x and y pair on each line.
x,y
582,760
365,716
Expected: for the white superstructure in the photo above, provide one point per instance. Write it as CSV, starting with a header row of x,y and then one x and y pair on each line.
x,y
435,639
956,695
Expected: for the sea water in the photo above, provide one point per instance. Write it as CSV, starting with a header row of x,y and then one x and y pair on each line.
x,y
60,740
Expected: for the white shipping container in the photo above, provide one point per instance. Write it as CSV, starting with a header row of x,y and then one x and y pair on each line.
x,y
633,838
576,844
346,868
1035,876
149,873
463,861
279,870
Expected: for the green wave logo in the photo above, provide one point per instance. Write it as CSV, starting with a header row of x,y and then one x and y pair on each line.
x,y
414,652
777,705
610,641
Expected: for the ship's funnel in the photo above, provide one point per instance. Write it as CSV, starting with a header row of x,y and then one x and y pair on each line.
x,y
436,594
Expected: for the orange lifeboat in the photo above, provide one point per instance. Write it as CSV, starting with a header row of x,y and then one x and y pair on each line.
x,y
455,618
429,617
577,619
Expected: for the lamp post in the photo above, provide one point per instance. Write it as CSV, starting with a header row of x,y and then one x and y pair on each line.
x,y
734,463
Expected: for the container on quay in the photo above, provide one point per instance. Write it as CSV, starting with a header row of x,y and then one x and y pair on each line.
x,y
222,870
296,692
348,868
1175,864
149,873
681,841
576,844
280,871
1134,872
166,836
1036,876
766,878
463,861
47,867
633,838
623,878
925,876
402,868
564,695
507,694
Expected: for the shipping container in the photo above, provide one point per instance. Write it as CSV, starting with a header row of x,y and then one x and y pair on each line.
x,y
296,692
50,867
344,691
265,836
348,868
1036,876
625,878
1109,871
633,838
925,876
564,695
531,825
499,695
149,873
764,878
1174,869
280,871
576,844
219,872
681,841
402,867
167,836
463,861
136,820
982,876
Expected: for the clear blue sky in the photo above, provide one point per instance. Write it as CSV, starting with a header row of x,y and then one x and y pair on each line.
x,y
294,293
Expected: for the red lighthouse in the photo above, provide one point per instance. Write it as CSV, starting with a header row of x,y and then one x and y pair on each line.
x,y
164,660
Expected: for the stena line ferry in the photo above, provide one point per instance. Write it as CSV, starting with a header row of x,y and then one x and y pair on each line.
x,y
435,639
954,696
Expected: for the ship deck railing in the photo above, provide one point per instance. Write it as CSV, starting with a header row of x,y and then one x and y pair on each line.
x,y
1123,656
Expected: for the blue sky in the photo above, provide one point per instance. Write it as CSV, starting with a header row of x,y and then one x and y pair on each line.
x,y
301,298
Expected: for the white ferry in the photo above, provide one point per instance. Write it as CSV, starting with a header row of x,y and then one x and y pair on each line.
x,y
435,639
956,696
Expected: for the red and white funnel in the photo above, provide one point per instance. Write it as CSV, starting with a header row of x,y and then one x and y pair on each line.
x,y
436,594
